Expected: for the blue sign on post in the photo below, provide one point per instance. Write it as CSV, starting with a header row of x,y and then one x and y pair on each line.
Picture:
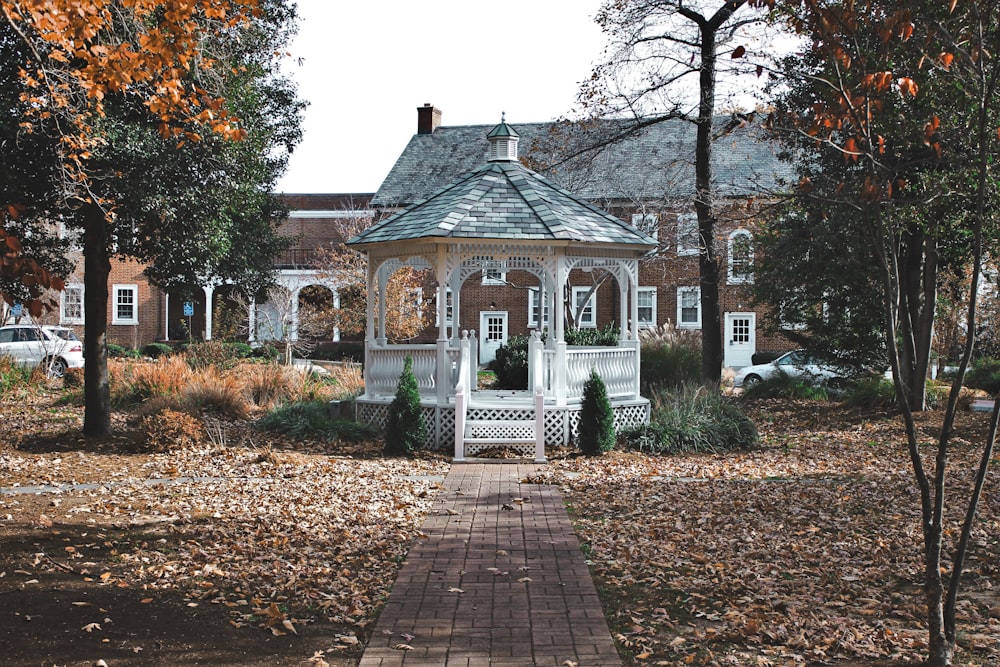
x,y
188,309
17,310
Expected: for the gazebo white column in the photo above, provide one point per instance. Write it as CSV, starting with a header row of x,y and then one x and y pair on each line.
x,y
559,333
624,289
383,281
633,281
443,369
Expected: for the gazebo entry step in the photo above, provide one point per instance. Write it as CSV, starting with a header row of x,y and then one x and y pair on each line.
x,y
481,434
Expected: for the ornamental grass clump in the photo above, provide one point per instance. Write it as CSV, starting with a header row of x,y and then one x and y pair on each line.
x,y
693,419
670,357
404,429
597,420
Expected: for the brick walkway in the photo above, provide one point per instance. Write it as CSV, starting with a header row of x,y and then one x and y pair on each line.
x,y
499,580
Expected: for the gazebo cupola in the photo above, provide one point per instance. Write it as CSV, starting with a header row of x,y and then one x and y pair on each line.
x,y
503,142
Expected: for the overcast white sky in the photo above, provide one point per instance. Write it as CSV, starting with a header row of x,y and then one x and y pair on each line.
x,y
367,66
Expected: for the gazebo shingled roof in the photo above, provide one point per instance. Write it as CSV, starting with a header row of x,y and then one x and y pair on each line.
x,y
504,200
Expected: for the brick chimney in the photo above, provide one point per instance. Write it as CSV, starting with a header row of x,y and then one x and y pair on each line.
x,y
428,119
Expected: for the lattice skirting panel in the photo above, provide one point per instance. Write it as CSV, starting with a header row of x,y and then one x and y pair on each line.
x,y
561,423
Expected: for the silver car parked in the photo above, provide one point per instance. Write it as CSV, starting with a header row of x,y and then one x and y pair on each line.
x,y
31,345
796,364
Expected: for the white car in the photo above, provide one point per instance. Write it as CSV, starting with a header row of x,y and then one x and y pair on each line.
x,y
30,345
797,364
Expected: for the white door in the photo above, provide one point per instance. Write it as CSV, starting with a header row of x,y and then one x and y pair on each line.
x,y
741,339
492,334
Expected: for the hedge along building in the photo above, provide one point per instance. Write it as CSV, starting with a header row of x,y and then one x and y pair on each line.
x,y
495,221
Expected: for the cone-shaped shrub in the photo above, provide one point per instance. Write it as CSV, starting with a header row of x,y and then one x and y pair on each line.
x,y
404,429
597,420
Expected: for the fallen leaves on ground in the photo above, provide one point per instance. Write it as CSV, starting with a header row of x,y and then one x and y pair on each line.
x,y
296,536
803,552
806,551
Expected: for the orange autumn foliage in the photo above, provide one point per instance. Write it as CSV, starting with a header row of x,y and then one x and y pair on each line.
x,y
81,51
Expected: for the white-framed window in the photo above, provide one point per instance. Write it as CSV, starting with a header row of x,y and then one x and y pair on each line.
x,y
688,307
646,223
494,273
646,298
687,234
740,252
449,309
71,304
584,308
538,302
125,304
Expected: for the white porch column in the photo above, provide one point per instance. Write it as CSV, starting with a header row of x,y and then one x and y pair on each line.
x,y
252,321
293,324
535,370
553,295
336,304
166,316
209,293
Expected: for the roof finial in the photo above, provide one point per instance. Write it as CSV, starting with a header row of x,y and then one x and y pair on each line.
x,y
503,116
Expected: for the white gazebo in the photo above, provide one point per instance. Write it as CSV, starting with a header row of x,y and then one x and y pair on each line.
x,y
503,217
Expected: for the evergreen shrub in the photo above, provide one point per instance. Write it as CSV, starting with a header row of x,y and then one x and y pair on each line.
x,y
985,375
116,351
597,419
404,429
606,336
782,385
156,350
311,420
871,393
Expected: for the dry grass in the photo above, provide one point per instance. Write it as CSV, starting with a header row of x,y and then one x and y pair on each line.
x,y
216,393
349,380
267,385
137,381
238,392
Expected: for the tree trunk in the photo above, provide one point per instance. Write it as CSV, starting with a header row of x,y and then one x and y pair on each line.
x,y
918,291
711,321
97,268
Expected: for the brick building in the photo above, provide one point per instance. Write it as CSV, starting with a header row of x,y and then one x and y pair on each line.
x,y
140,313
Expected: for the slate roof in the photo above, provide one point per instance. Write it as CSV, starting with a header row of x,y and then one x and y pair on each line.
x,y
657,164
504,200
